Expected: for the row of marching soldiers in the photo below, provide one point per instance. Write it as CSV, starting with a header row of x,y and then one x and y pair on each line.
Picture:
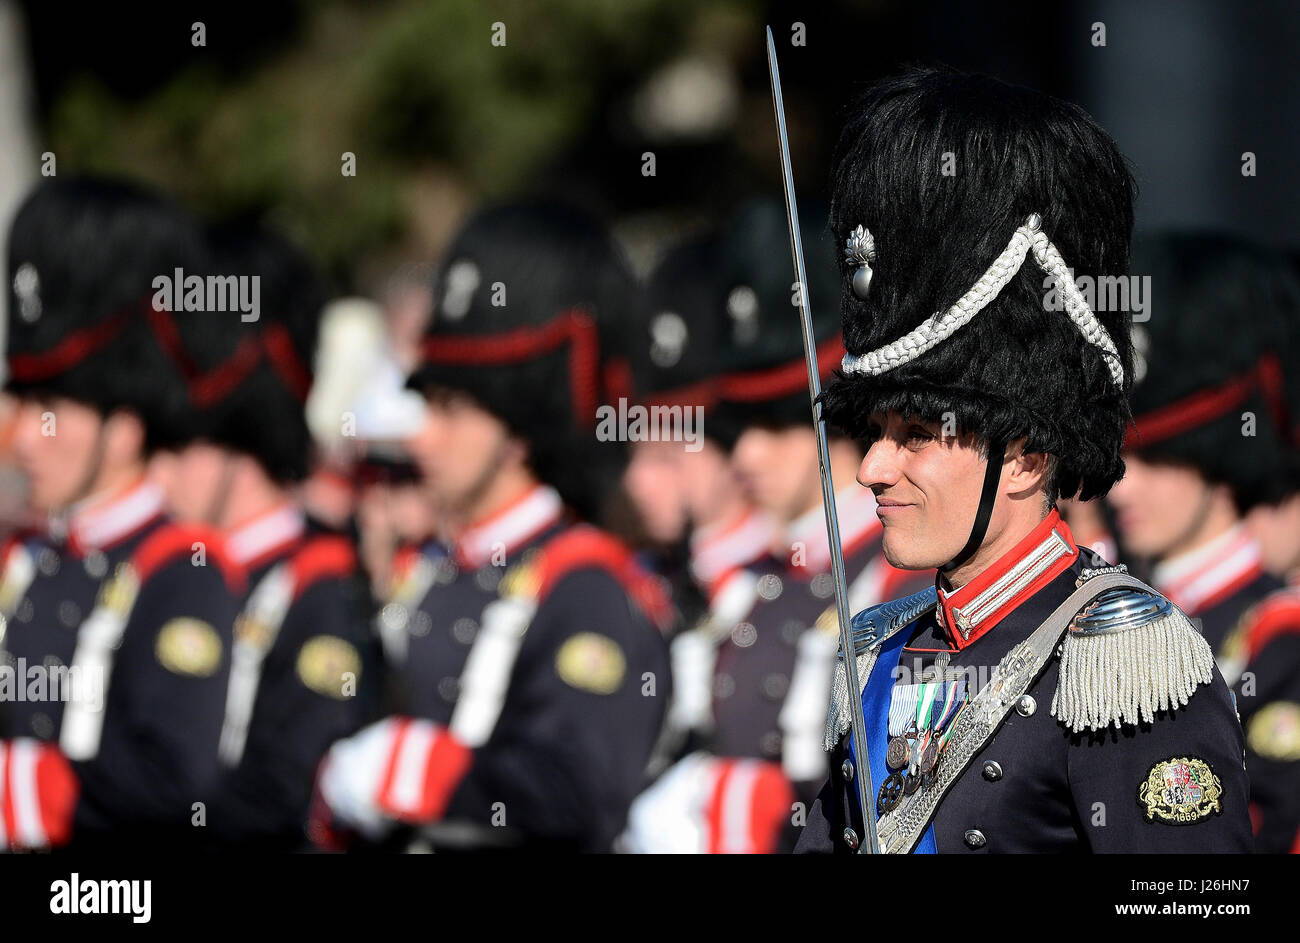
x,y
191,655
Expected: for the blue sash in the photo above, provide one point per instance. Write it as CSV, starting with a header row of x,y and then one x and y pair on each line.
x,y
876,696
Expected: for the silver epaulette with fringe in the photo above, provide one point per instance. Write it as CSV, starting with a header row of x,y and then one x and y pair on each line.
x,y
870,628
1128,654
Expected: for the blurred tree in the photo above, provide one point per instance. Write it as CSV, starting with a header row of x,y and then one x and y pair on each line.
x,y
436,114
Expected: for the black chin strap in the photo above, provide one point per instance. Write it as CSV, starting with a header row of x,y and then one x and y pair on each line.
x,y
989,494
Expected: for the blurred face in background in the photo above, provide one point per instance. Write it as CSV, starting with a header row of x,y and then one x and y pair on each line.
x,y
1277,528
777,467
68,451
710,485
656,481
390,514
461,449
196,480
1163,509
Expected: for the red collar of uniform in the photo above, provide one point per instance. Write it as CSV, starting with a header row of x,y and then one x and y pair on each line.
x,y
1203,577
717,550
1046,551
859,523
267,535
99,523
510,528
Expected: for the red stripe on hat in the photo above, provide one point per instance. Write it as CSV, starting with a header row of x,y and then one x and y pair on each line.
x,y
618,379
777,382
205,389
285,361
211,387
1204,406
574,327
72,350
169,339
704,393
215,385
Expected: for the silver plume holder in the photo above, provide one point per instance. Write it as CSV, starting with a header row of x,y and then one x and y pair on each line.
x,y
860,250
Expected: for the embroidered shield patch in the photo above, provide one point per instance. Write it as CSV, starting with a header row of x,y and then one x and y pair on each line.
x,y
591,662
1274,732
189,647
325,664
1180,790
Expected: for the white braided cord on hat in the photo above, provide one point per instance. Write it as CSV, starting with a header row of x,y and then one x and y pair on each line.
x,y
939,327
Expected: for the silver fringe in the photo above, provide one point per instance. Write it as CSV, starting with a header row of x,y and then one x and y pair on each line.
x,y
840,716
1126,677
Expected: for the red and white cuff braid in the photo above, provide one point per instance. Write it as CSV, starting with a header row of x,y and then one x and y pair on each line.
x,y
711,805
397,770
38,794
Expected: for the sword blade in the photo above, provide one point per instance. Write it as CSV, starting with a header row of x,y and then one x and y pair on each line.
x,y
866,794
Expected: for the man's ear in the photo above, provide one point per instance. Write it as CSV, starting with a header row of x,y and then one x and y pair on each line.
x,y
1028,469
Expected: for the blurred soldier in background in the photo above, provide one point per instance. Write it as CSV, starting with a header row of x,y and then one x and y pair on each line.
x,y
393,514
1276,527
117,623
1212,442
682,484
530,667
360,414
1276,524
759,681
243,445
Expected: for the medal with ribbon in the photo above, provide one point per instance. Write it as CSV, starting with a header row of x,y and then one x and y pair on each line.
x,y
898,755
920,724
954,699
923,751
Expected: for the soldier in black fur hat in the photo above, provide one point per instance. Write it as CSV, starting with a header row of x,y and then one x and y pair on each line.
x,y
532,669
241,448
132,611
679,474
1211,443
985,387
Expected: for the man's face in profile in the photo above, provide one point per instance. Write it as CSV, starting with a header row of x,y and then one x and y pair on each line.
x,y
927,488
